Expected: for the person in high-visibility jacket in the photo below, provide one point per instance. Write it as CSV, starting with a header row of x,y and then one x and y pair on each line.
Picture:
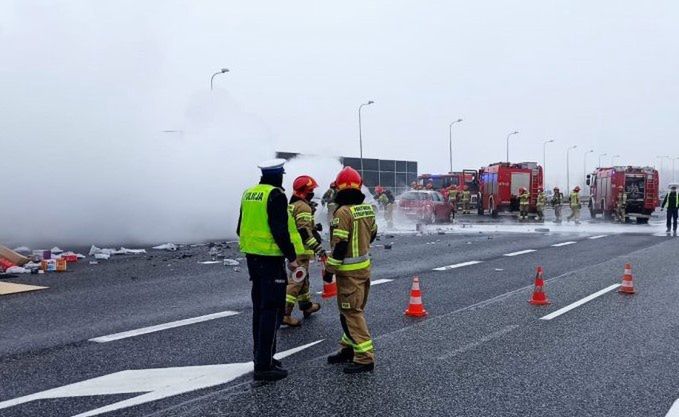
x,y
671,203
575,205
524,202
621,204
453,196
386,200
466,200
540,204
268,237
557,200
302,210
328,200
353,230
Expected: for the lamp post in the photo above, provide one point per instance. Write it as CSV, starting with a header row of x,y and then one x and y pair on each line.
x,y
568,167
662,168
613,159
603,154
513,133
544,158
584,164
360,132
450,141
221,71
673,171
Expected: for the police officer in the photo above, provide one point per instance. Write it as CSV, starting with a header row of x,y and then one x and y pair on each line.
x,y
266,237
557,200
353,230
671,203
575,205
541,203
621,204
302,210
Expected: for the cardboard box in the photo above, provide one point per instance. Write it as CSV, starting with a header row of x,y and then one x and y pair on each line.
x,y
14,257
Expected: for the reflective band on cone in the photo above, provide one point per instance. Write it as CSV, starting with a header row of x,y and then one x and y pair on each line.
x,y
415,307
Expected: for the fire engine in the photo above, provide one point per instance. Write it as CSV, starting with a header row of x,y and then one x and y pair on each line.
x,y
500,184
640,183
440,182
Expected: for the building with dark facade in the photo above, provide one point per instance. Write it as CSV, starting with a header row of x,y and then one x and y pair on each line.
x,y
393,174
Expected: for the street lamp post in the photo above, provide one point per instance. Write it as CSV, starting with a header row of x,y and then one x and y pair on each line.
x,y
613,159
603,154
450,141
544,159
584,164
513,133
221,71
568,167
662,168
360,132
674,178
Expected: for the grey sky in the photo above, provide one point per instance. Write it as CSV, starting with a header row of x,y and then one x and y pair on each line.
x,y
602,75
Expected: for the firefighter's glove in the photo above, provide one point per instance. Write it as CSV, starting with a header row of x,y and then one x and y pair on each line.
x,y
327,277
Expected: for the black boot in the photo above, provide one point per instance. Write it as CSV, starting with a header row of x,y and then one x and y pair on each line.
x,y
273,374
343,356
276,363
355,368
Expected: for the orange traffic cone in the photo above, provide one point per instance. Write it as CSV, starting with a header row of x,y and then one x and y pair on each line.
x,y
329,288
627,286
415,308
539,297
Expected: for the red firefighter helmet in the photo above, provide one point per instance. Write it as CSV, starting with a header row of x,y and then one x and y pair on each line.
x,y
540,189
349,178
303,185
521,190
620,187
577,188
379,189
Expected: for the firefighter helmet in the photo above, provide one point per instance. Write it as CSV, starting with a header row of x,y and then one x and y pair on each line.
x,y
349,178
577,188
620,187
303,185
540,189
379,189
521,190
556,188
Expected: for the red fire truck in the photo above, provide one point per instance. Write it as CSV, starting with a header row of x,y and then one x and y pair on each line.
x,y
640,183
440,182
500,183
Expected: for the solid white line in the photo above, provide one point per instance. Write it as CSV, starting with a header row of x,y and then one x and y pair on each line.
x,y
460,265
597,237
557,245
159,327
521,252
380,281
578,303
674,411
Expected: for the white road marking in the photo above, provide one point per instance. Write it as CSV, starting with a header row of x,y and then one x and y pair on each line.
x,y
380,281
154,384
460,265
503,331
578,303
164,326
558,245
674,411
521,252
596,237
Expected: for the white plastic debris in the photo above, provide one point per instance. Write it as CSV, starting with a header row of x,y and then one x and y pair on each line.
x,y
22,249
55,250
126,251
94,263
231,262
101,256
80,255
17,270
209,262
94,250
166,246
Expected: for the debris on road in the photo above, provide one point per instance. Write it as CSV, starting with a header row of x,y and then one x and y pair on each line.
x,y
102,256
209,262
166,246
126,251
231,262
22,250
56,250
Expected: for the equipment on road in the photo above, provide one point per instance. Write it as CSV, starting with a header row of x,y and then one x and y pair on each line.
x,y
539,297
415,307
639,184
500,184
627,286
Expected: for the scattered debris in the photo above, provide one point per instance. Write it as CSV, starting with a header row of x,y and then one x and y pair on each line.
x,y
231,262
499,269
107,251
56,250
94,263
209,262
166,246
12,256
102,256
22,250
388,245
17,270
236,269
126,251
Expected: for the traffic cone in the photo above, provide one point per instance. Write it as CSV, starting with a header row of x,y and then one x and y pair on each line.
x,y
415,308
539,297
627,286
329,289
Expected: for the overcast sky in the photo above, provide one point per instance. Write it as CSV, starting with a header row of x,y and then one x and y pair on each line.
x,y
98,75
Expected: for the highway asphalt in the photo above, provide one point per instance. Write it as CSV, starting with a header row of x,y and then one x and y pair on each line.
x,y
481,351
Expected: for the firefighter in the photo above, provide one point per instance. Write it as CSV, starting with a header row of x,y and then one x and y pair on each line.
x,y
466,199
524,202
671,203
413,185
328,200
353,230
386,200
302,212
575,205
541,203
621,204
557,200
268,237
453,197
430,186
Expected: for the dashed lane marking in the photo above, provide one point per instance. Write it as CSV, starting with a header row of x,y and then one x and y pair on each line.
x,y
380,281
674,411
164,326
578,303
460,265
558,245
596,237
521,252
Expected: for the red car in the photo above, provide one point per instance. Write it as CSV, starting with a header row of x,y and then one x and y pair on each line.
x,y
425,205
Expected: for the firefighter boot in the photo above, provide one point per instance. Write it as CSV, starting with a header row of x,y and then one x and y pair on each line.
x,y
288,319
355,368
311,310
344,355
